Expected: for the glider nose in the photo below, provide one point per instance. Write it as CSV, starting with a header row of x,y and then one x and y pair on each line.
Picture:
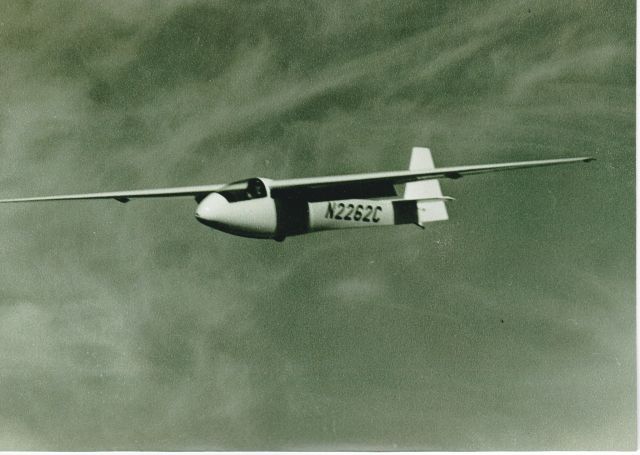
x,y
211,210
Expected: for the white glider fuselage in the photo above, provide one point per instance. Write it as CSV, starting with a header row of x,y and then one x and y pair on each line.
x,y
261,216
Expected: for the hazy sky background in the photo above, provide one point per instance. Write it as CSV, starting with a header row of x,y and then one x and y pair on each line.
x,y
134,327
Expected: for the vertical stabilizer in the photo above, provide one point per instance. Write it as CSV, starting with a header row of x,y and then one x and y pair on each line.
x,y
427,210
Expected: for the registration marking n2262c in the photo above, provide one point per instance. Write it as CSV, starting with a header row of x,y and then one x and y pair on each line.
x,y
353,212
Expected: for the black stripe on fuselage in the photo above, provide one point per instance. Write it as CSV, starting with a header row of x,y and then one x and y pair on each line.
x,y
292,217
405,212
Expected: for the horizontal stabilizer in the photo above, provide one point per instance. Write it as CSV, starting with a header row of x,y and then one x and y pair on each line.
x,y
427,199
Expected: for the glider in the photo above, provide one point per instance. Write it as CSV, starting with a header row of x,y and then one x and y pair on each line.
x,y
275,209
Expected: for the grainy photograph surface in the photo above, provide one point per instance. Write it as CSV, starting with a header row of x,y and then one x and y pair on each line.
x,y
511,326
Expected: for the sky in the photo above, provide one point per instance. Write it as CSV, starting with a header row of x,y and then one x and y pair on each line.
x,y
133,327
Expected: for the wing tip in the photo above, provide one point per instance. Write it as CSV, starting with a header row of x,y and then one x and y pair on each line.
x,y
9,201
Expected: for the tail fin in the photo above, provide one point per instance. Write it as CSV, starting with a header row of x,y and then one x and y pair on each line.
x,y
427,189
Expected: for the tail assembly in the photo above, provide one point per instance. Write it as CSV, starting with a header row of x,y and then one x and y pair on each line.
x,y
430,202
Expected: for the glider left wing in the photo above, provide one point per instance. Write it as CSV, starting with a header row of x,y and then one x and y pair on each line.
x,y
124,196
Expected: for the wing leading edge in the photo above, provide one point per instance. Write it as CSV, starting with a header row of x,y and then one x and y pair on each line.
x,y
312,188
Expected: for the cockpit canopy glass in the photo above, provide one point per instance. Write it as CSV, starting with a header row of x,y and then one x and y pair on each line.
x,y
245,190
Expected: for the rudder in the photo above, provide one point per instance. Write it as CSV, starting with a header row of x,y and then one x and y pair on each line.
x,y
428,211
